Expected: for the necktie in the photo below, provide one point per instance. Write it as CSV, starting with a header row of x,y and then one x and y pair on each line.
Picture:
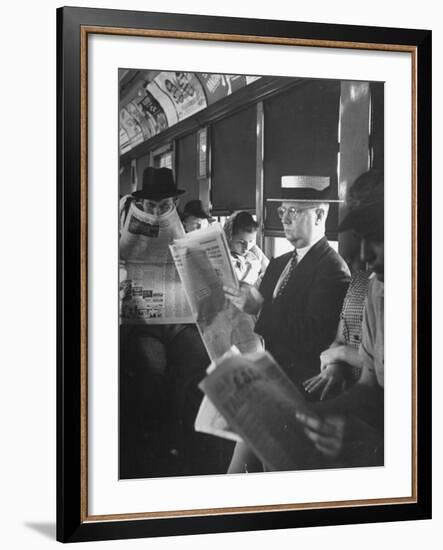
x,y
286,275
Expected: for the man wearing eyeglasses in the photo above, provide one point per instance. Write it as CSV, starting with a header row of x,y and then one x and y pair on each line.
x,y
301,295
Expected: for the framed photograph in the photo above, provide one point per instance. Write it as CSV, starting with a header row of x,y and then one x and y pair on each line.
x,y
244,217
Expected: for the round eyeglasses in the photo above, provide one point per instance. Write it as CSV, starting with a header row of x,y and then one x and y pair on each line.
x,y
292,211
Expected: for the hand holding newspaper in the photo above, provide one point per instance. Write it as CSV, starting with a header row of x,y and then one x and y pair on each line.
x,y
259,403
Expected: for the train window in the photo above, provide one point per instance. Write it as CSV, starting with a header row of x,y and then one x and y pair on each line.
x,y
281,246
222,219
141,164
163,160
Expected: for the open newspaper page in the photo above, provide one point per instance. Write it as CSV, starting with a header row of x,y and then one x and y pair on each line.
x,y
150,289
209,420
204,265
259,402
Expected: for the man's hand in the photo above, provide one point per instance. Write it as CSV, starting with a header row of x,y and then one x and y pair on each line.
x,y
330,378
246,298
326,433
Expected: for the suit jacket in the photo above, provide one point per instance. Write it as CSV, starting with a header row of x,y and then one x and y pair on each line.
x,y
302,322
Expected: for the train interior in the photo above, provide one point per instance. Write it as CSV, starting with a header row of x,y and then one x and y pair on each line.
x,y
229,139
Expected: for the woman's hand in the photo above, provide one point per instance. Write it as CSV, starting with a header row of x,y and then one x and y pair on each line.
x,y
330,378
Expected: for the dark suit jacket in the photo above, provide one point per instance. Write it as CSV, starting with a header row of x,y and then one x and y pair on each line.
x,y
302,322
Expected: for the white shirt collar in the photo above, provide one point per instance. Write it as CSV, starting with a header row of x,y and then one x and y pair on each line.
x,y
301,252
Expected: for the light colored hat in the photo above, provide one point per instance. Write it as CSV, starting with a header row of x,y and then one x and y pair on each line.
x,y
307,189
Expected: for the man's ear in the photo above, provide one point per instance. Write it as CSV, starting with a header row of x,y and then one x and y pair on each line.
x,y
320,215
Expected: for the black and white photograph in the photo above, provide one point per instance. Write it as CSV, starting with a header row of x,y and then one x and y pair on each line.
x,y
251,273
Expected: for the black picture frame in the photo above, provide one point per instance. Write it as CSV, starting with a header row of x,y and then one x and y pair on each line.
x,y
73,24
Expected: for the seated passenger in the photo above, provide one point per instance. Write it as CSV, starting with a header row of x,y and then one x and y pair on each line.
x,y
247,258
160,367
341,364
195,216
349,428
301,295
158,196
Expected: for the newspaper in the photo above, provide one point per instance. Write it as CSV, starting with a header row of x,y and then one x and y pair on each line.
x,y
151,291
203,262
208,419
145,237
259,403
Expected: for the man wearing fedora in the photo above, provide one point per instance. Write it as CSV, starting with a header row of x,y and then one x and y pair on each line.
x,y
349,428
301,295
195,216
160,366
158,195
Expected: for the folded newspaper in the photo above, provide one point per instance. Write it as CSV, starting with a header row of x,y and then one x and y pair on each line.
x,y
259,403
203,262
208,419
150,289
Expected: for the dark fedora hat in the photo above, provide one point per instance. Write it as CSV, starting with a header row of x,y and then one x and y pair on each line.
x,y
366,205
195,208
158,183
305,188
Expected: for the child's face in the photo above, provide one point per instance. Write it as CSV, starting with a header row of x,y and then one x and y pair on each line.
x,y
242,242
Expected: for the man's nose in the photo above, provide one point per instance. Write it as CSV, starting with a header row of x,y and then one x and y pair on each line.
x,y
286,218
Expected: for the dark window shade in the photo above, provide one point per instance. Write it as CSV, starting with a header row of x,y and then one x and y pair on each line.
x,y
377,142
186,151
125,180
142,163
301,138
233,145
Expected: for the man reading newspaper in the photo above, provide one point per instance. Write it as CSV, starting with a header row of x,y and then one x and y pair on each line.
x,y
204,264
162,356
271,415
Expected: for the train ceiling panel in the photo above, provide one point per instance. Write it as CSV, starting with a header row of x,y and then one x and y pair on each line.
x,y
152,101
